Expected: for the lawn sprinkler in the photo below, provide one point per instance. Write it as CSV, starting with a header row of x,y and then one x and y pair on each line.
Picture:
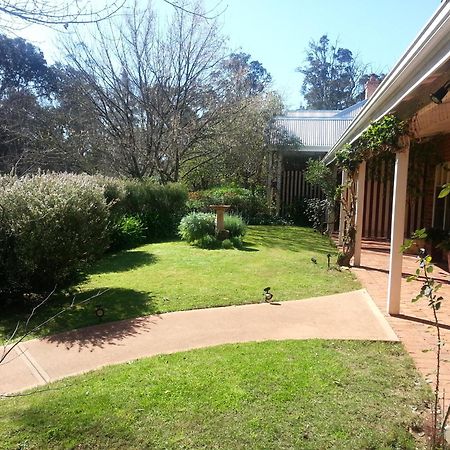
x,y
99,311
314,260
267,296
329,257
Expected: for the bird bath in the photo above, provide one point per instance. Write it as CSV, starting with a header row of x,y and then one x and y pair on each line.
x,y
221,233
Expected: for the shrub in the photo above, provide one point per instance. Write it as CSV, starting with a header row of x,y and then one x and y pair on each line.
x,y
235,225
128,232
237,242
160,208
196,226
315,211
227,244
51,226
209,242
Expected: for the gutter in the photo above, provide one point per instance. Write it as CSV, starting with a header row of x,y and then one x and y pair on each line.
x,y
429,50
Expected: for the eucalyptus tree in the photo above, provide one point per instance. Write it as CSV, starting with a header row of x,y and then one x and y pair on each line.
x,y
333,76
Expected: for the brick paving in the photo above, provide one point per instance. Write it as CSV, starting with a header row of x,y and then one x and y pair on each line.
x,y
414,325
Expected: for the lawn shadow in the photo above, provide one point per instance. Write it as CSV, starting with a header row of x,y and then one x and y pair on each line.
x,y
89,330
247,247
123,262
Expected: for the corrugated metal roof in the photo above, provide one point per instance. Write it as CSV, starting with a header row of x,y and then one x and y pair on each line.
x,y
319,129
315,132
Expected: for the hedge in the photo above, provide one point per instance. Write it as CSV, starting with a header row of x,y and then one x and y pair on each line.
x,y
52,225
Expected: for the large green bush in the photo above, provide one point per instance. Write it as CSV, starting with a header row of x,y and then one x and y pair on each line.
x,y
199,229
160,208
196,226
235,225
127,232
51,225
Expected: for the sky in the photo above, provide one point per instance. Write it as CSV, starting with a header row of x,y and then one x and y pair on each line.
x,y
277,32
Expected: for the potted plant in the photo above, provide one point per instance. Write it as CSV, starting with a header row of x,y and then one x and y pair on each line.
x,y
445,248
415,244
435,237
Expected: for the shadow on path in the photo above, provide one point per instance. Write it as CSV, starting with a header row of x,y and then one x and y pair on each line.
x,y
420,320
118,304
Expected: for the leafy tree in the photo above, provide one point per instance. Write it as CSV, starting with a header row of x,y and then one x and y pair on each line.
x,y
22,66
26,86
333,77
244,77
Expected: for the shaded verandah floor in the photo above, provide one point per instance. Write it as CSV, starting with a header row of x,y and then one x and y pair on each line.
x,y
415,324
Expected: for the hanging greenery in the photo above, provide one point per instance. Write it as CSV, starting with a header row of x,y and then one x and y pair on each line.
x,y
379,138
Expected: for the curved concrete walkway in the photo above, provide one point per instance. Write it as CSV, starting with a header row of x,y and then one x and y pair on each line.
x,y
351,315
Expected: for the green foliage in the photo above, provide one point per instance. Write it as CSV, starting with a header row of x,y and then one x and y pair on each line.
x,y
316,212
227,244
445,191
159,207
381,136
51,226
252,206
208,242
128,232
349,158
319,174
235,225
196,226
199,229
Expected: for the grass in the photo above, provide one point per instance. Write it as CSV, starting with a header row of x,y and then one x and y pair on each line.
x,y
271,395
174,276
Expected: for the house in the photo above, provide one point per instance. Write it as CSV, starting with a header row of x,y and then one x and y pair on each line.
x,y
394,205
317,131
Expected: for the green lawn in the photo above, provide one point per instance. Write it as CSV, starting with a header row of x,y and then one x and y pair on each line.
x,y
174,276
271,395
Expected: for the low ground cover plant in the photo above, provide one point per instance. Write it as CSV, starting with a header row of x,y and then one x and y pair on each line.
x,y
198,228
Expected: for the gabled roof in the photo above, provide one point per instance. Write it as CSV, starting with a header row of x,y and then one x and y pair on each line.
x,y
319,130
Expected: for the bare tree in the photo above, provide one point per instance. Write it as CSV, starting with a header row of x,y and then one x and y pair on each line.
x,y
21,13
155,89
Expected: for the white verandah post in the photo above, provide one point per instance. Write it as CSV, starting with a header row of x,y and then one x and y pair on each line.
x,y
359,212
398,228
341,209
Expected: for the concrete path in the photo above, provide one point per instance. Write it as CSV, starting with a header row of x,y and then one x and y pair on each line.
x,y
351,315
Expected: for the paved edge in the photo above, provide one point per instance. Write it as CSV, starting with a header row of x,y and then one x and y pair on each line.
x,y
379,315
43,378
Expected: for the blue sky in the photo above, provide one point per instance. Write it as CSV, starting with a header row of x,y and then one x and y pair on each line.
x,y
277,32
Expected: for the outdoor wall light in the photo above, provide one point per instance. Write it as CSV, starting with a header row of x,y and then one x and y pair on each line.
x,y
439,95
99,311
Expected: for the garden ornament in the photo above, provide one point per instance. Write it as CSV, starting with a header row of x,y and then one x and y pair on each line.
x,y
267,295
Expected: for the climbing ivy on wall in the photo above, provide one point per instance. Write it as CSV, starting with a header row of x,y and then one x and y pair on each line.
x,y
381,137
